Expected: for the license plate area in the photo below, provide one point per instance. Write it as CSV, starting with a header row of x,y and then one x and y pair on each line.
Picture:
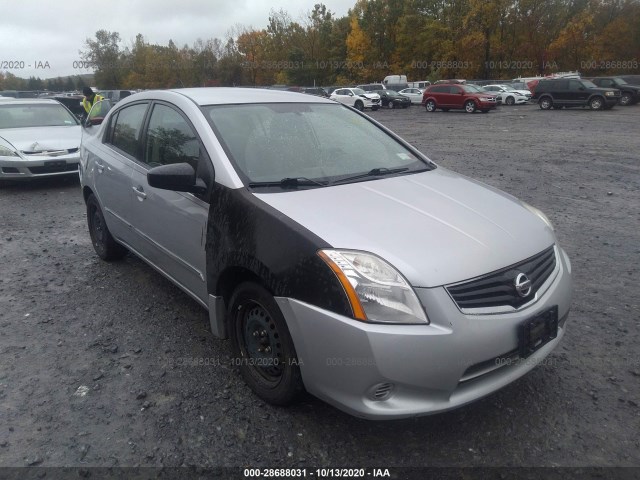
x,y
55,163
536,332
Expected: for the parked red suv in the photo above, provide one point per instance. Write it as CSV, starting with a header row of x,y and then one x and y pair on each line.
x,y
467,97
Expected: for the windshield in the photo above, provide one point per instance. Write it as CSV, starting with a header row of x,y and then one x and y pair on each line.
x,y
318,142
35,115
507,88
472,89
358,91
620,81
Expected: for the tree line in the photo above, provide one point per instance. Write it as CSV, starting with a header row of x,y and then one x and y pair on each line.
x,y
424,39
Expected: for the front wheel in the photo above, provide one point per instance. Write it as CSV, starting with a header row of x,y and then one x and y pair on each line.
x,y
510,100
470,106
359,105
596,103
430,106
103,243
262,346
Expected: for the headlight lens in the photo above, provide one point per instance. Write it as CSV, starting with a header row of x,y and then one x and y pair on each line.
x,y
7,152
377,291
610,94
539,213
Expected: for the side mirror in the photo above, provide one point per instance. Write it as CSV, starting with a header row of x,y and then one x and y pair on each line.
x,y
179,177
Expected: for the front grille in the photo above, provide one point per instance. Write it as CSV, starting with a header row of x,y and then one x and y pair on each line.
x,y
497,289
68,167
49,153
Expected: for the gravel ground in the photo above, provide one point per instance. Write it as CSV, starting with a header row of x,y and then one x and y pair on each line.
x,y
111,365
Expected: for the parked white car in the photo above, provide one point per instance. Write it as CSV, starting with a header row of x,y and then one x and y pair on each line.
x,y
415,94
356,98
38,138
508,95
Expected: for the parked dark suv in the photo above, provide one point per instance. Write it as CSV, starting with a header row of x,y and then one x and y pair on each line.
x,y
630,93
467,97
570,92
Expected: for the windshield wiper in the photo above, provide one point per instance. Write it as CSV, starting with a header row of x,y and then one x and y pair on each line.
x,y
289,182
374,172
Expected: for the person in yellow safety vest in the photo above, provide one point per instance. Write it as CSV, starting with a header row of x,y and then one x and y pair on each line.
x,y
90,98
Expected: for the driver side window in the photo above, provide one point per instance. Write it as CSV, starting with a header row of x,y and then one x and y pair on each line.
x,y
170,139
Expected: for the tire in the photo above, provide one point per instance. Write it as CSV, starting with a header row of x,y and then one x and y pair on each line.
x,y
103,243
545,103
358,105
255,325
625,99
470,106
430,106
392,104
596,103
510,101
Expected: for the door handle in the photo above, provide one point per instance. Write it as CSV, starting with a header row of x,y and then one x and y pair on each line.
x,y
140,192
99,167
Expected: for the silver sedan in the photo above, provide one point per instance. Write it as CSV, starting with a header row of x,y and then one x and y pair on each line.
x,y
38,138
337,258
415,94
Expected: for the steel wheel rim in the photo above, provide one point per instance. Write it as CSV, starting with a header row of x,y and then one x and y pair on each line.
x,y
260,344
98,229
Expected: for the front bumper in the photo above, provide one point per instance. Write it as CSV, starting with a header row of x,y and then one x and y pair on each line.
x,y
38,166
486,105
380,371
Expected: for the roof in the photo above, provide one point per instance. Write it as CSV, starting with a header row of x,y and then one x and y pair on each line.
x,y
230,95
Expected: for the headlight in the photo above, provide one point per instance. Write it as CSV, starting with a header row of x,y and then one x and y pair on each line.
x,y
377,291
539,213
610,94
7,152
485,99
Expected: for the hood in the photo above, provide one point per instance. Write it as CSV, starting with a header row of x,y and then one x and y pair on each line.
x,y
43,138
372,96
436,227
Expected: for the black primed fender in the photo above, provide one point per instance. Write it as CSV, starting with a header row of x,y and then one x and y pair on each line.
x,y
246,234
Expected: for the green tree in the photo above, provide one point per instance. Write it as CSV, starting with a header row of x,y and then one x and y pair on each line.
x,y
104,55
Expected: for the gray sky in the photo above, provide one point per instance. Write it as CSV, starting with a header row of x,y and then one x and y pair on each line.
x,y
42,40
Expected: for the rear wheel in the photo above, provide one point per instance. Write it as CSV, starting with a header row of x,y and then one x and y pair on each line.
x,y
103,243
392,104
359,105
625,99
470,106
262,345
545,103
430,106
596,103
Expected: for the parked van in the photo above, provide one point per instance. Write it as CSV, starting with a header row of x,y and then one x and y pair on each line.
x,y
115,95
395,79
421,84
